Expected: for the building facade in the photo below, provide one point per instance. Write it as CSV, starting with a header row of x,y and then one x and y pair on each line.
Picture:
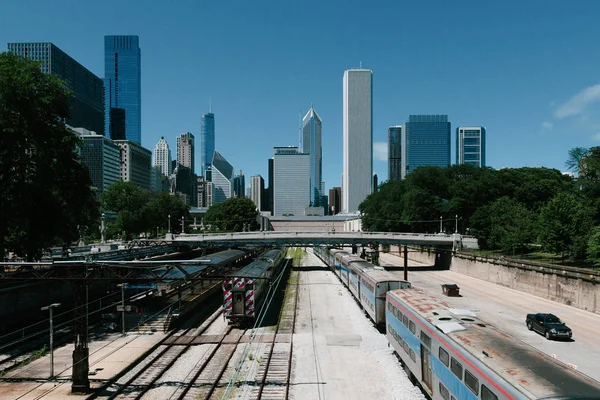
x,y
239,185
207,140
102,157
395,153
136,163
470,145
312,127
185,151
335,200
426,142
222,179
358,137
271,190
162,157
87,103
122,73
257,189
291,171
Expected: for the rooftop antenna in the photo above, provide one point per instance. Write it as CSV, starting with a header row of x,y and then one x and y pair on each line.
x,y
300,129
360,64
210,103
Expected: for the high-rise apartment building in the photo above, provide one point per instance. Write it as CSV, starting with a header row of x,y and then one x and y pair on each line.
x,y
222,179
358,137
122,73
207,140
102,157
162,157
136,163
257,188
470,145
292,181
395,153
87,103
426,142
312,127
185,151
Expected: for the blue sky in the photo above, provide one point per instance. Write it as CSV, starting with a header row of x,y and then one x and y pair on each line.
x,y
526,70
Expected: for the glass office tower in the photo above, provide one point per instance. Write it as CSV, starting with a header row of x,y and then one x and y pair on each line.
x,y
426,141
122,72
311,144
395,153
470,145
207,140
87,103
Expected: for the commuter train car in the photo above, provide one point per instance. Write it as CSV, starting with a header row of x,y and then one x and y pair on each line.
x,y
374,284
454,356
245,292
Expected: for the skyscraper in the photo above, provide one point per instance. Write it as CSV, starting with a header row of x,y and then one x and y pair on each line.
x,y
122,70
335,200
87,103
136,163
257,189
292,181
222,179
395,153
162,157
311,144
470,145
207,140
102,157
239,185
426,141
358,137
185,151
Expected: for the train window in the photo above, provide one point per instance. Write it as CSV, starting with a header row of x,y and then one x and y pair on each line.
x,y
456,368
228,286
249,286
405,320
390,307
472,382
413,356
411,326
444,357
424,338
444,392
486,394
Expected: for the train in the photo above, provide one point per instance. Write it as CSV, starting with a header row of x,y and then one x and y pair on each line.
x,y
245,293
453,355
367,283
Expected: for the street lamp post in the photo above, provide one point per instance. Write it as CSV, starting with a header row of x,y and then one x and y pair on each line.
x,y
182,225
441,224
169,230
50,308
456,223
332,219
102,229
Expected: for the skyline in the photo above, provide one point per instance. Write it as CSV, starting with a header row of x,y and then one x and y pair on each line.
x,y
526,76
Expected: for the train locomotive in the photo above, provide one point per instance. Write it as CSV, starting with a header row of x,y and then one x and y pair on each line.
x,y
244,294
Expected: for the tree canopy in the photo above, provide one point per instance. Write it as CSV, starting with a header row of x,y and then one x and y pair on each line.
x,y
232,215
44,189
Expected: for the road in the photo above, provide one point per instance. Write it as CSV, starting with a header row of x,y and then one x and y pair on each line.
x,y
506,309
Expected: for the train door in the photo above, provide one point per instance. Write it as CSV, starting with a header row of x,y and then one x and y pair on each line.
x,y
426,362
238,303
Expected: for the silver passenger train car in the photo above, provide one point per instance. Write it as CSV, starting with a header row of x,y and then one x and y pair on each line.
x,y
453,355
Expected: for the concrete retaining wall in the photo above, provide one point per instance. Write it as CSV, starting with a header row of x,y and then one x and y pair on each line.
x,y
564,286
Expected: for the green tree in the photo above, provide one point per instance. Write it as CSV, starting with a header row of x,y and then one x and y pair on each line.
x,y
232,214
565,224
44,189
593,246
128,201
382,211
576,154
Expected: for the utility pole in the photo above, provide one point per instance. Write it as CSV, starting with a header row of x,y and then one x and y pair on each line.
x,y
50,308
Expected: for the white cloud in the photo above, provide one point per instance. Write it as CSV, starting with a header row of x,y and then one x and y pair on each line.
x,y
547,125
576,104
380,151
596,137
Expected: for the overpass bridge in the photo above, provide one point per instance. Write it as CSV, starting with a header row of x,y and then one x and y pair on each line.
x,y
326,238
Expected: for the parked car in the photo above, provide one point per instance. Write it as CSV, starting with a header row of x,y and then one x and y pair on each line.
x,y
548,325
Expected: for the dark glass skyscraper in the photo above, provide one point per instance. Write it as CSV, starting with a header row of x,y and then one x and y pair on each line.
x,y
311,144
87,104
427,142
207,140
122,69
394,153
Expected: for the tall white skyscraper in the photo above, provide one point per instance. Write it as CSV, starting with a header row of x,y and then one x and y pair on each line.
x,y
358,137
162,157
185,151
311,144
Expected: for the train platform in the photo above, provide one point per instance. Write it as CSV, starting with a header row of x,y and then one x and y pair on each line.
x,y
507,309
108,357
